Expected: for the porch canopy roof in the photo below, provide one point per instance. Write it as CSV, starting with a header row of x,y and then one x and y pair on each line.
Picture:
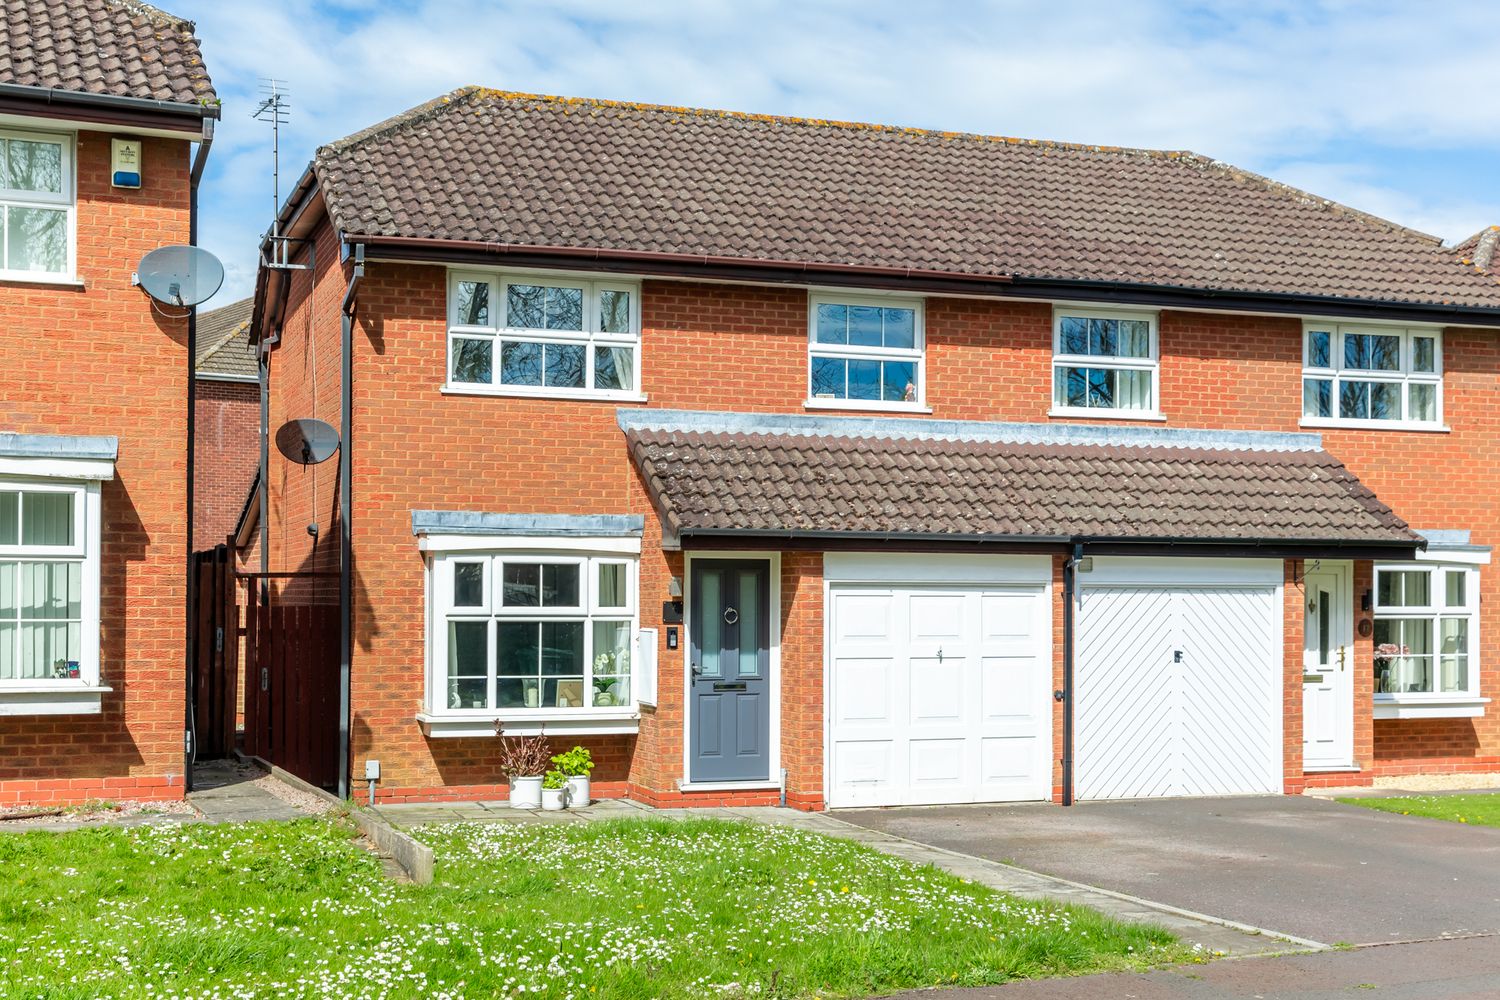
x,y
737,480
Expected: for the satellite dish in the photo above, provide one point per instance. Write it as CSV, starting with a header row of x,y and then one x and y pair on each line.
x,y
180,275
307,441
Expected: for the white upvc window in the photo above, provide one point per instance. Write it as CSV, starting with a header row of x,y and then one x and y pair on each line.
x,y
1426,632
49,585
1104,364
543,335
865,352
542,633
36,206
1372,376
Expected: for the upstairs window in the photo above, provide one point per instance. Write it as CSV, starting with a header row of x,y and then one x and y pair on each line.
x,y
1372,376
536,335
36,205
865,353
1104,364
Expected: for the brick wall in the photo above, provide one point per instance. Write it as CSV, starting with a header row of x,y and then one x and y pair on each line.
x,y
226,449
723,347
100,360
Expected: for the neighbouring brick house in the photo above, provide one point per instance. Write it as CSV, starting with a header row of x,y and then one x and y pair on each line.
x,y
872,465
226,415
103,102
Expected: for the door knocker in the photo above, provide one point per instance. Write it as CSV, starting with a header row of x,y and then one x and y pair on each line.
x,y
731,616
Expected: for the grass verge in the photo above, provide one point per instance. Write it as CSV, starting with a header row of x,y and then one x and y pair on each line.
x,y
631,909
1479,810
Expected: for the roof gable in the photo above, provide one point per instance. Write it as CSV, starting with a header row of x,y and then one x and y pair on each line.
x,y
490,167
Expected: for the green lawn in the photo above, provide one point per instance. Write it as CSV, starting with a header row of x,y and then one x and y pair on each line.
x,y
1481,810
632,908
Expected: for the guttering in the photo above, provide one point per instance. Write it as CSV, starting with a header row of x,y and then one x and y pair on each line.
x,y
189,736
347,310
54,95
749,269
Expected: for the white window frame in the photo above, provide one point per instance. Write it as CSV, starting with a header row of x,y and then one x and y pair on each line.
x,y
1435,703
67,199
1150,364
589,718
498,332
1336,373
916,354
85,551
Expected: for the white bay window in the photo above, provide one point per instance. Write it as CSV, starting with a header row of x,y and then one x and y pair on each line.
x,y
535,634
1426,638
1372,376
543,335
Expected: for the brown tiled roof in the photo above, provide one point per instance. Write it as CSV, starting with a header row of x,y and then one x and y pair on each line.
x,y
224,341
816,480
118,48
487,166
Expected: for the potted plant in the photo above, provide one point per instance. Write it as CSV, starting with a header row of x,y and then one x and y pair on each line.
x,y
554,791
523,759
576,764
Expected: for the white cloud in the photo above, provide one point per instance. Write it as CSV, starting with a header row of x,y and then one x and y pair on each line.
x,y
1263,83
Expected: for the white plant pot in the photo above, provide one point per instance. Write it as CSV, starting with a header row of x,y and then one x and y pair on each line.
x,y
526,793
578,791
554,799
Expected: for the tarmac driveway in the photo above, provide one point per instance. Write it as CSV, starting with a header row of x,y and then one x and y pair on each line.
x,y
1315,869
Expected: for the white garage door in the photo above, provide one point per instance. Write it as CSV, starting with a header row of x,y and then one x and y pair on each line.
x,y
938,694
1178,691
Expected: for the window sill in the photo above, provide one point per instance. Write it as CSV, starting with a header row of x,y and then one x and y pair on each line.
x,y
865,406
1105,414
1453,707
573,722
55,280
596,397
1373,425
52,700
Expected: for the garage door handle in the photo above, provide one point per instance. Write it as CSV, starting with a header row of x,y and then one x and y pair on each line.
x,y
1176,656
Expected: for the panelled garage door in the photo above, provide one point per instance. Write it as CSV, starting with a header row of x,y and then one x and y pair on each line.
x,y
938,694
1178,690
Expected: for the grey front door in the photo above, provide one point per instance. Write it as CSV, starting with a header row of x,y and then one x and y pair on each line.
x,y
729,718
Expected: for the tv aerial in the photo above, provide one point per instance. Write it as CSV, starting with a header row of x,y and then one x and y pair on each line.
x,y
180,275
307,441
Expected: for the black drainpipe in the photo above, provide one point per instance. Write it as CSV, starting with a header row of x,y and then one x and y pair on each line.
x,y
346,507
189,733
1070,598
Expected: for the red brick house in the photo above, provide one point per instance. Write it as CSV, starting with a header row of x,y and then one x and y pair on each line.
x,y
226,417
869,465
103,103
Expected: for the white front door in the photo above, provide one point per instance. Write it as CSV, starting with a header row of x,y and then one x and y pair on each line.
x,y
938,694
1327,668
1178,689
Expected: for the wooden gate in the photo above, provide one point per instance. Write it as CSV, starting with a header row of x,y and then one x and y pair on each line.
x,y
292,680
215,653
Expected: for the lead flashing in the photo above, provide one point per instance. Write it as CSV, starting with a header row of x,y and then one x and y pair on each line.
x,y
105,448
463,522
917,429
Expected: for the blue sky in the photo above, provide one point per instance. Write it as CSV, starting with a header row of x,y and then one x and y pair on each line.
x,y
1387,106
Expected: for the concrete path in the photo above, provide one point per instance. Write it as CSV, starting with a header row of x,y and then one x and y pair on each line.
x,y
1430,970
1321,870
1212,934
226,791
